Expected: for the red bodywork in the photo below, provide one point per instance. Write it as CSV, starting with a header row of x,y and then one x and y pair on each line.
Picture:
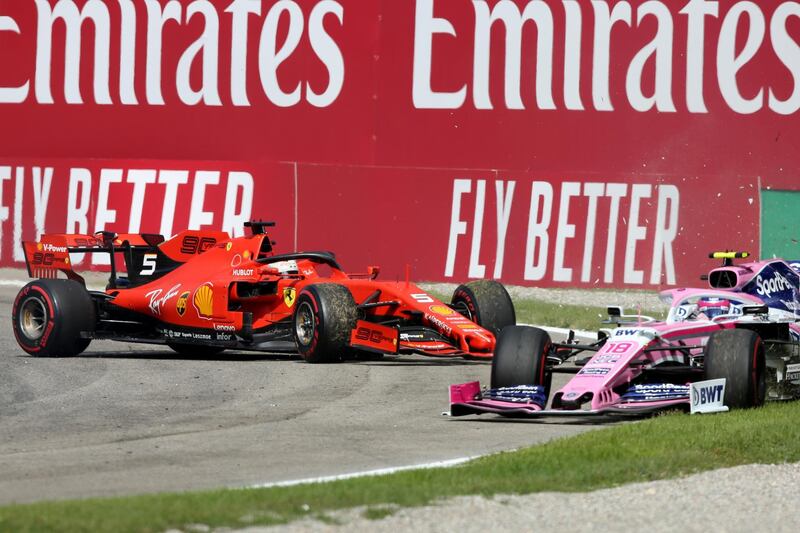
x,y
204,288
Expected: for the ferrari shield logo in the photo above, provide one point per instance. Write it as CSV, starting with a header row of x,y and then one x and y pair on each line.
x,y
289,294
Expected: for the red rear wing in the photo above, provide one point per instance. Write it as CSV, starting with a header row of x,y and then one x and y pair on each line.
x,y
46,258
50,255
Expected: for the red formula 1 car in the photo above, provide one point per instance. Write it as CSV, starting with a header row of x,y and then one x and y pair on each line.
x,y
202,292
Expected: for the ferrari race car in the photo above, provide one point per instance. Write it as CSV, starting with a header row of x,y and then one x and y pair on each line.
x,y
735,344
202,292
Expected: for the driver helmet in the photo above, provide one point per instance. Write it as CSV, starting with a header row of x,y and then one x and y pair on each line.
x,y
285,267
712,306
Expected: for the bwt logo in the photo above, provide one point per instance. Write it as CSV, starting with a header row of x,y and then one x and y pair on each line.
x,y
707,394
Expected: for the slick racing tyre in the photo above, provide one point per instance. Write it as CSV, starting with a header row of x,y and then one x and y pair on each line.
x,y
520,358
738,356
485,302
324,316
195,350
49,315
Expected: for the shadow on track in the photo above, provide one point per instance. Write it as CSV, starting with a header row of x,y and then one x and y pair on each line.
x,y
560,421
173,356
420,362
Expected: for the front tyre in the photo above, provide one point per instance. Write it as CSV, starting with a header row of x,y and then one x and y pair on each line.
x,y
485,302
325,315
738,356
520,358
49,316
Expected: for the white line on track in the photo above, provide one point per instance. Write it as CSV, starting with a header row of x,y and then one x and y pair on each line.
x,y
12,283
366,473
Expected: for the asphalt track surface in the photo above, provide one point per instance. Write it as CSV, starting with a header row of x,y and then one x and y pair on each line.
x,y
125,419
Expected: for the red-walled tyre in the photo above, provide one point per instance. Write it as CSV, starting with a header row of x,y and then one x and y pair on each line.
x,y
324,316
49,317
738,356
520,358
485,302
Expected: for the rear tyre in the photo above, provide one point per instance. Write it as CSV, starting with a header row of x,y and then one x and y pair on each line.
x,y
485,302
738,356
520,358
197,350
49,316
324,316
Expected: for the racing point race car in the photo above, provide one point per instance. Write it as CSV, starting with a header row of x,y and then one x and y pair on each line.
x,y
202,292
735,344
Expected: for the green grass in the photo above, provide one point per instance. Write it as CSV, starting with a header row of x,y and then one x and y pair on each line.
x,y
585,317
658,448
567,316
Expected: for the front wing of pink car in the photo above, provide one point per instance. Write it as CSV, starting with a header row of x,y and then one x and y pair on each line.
x,y
529,401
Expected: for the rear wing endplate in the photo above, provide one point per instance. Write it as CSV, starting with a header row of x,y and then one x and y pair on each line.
x,y
50,255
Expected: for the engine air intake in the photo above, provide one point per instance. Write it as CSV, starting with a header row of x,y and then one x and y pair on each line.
x,y
723,279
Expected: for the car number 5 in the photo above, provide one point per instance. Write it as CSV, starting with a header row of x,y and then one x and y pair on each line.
x,y
148,265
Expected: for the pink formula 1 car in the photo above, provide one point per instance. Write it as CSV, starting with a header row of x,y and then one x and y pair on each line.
x,y
736,343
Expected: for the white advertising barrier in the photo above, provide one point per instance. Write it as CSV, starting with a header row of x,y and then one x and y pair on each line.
x,y
707,396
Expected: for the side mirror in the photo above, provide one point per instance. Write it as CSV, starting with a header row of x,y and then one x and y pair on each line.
x,y
614,311
373,271
755,309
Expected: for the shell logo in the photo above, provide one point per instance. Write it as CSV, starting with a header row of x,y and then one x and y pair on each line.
x,y
441,310
39,246
180,305
204,301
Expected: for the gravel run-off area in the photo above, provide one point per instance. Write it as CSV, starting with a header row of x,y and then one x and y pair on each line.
x,y
742,499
